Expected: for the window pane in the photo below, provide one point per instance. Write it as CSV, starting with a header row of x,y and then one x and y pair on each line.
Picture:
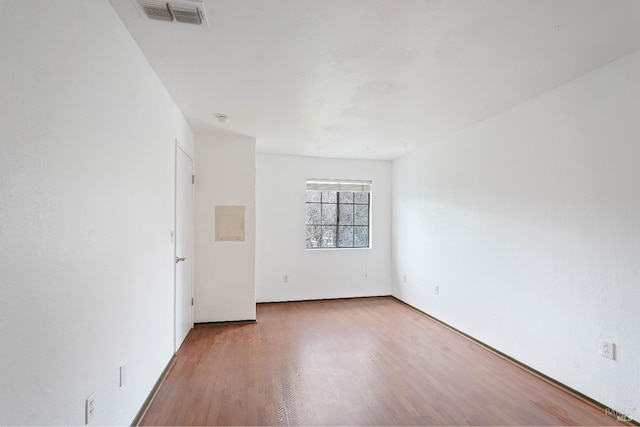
x,y
313,196
314,236
346,197
337,219
313,214
328,237
346,214
330,197
361,197
329,214
346,237
361,215
361,237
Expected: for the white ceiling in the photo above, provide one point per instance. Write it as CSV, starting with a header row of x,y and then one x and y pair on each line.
x,y
373,79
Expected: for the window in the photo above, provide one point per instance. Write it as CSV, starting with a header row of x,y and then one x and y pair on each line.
x,y
338,214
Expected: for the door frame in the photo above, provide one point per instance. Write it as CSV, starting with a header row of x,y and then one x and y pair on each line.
x,y
175,240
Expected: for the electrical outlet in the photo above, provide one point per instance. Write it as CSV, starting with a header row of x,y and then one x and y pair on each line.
x,y
90,408
436,289
404,279
285,278
608,350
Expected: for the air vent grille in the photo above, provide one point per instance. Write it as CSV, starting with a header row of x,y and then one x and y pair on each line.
x,y
186,12
156,11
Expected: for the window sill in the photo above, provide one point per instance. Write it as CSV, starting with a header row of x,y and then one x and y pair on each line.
x,y
335,249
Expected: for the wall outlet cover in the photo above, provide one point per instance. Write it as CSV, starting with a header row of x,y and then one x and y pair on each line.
x,y
122,374
608,349
90,408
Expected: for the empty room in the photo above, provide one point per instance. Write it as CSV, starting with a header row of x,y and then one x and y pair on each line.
x,y
329,212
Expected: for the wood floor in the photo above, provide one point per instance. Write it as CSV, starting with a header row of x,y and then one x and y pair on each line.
x,y
369,361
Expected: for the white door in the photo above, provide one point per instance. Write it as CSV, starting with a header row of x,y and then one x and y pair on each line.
x,y
183,247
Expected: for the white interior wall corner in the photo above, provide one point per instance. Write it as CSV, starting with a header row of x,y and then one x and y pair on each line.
x,y
281,248
87,172
224,270
528,223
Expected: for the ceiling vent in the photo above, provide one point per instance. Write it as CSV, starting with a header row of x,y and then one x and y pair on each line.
x,y
186,12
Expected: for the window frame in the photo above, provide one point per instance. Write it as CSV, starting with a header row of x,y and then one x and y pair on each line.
x,y
337,226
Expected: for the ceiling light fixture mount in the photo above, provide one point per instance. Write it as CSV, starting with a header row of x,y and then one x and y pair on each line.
x,y
223,118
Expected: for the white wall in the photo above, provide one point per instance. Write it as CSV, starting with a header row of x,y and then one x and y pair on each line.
x,y
280,247
529,224
224,271
86,212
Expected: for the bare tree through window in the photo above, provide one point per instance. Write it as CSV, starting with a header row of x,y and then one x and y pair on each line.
x,y
337,219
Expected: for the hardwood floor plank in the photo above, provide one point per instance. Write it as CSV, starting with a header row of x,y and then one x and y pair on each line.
x,y
369,361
